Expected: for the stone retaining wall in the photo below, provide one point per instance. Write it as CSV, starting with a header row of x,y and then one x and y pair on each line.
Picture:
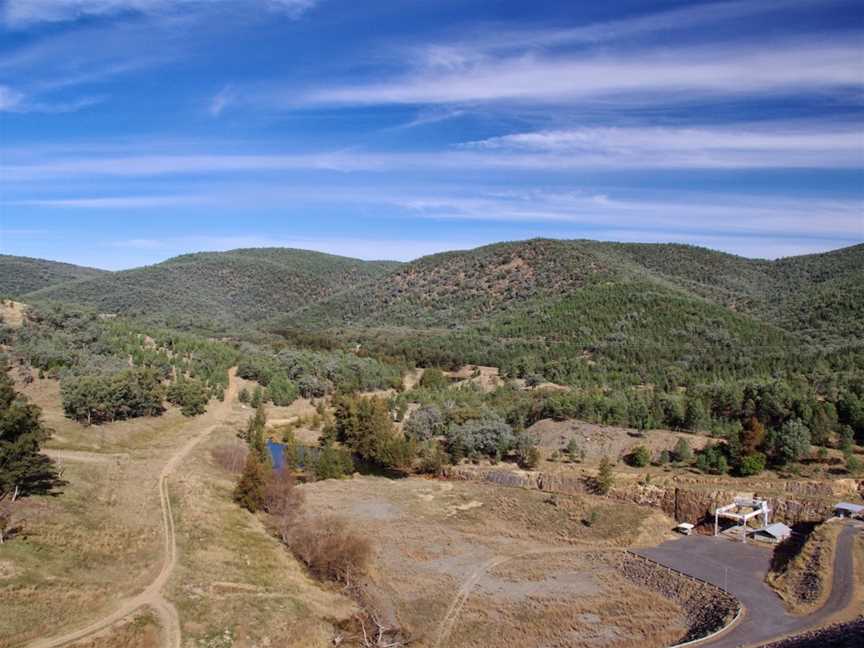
x,y
707,607
841,635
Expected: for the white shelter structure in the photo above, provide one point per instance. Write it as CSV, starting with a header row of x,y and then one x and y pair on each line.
x,y
742,510
847,510
773,533
685,528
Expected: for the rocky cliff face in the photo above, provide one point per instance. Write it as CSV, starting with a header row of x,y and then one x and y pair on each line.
x,y
684,498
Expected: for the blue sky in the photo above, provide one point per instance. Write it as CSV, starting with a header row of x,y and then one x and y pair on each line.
x,y
134,130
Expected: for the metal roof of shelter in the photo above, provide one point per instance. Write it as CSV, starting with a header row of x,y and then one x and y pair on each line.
x,y
777,530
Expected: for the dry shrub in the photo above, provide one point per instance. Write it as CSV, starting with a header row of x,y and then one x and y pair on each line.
x,y
331,550
230,458
283,502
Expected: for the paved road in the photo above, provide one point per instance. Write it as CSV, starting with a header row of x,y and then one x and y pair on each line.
x,y
743,567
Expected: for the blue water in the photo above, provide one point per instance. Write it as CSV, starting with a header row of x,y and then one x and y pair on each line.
x,y
277,454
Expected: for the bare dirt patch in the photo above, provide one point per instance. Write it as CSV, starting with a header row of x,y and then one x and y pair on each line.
x,y
458,563
598,441
12,313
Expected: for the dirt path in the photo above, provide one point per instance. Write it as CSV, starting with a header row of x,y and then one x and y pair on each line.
x,y
152,596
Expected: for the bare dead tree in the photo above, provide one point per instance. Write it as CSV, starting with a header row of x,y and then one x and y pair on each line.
x,y
284,502
380,635
231,458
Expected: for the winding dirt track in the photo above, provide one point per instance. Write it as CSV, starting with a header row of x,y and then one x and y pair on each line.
x,y
152,595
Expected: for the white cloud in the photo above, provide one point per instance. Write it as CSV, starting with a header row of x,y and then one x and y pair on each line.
x,y
23,13
115,202
478,45
668,214
222,100
806,145
704,213
666,75
17,102
10,100
812,144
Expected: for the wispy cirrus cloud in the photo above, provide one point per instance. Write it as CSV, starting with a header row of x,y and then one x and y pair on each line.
x,y
702,213
740,215
10,99
24,13
221,100
116,202
669,75
811,144
481,44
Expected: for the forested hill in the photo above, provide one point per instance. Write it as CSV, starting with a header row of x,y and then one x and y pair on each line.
x,y
456,288
578,311
573,311
219,290
21,275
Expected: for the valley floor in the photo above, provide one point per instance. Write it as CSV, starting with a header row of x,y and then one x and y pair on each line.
x,y
145,548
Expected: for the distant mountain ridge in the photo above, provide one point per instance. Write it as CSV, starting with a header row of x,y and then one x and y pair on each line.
x,y
22,275
571,310
587,312
459,287
224,289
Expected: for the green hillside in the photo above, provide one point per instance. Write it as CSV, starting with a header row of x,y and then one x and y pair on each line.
x,y
21,275
219,290
606,313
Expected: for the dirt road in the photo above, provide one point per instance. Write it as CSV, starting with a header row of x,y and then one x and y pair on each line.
x,y
152,596
741,568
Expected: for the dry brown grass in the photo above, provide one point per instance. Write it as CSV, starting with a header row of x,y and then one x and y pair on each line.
x,y
12,313
101,541
234,575
230,457
142,631
331,550
485,562
805,581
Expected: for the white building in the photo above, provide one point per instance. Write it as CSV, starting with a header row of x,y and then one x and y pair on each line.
x,y
773,533
847,510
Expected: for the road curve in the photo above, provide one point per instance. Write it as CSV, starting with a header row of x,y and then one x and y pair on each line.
x,y
152,595
742,569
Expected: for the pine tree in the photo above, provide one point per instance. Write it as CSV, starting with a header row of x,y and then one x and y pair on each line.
x,y
605,478
23,469
249,492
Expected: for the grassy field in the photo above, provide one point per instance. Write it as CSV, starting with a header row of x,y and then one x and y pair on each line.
x,y
100,542
455,563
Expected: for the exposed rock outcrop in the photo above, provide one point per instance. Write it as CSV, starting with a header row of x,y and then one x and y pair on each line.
x,y
683,498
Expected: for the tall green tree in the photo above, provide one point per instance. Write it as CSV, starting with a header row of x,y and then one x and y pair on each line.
x,y
24,470
790,442
250,490
605,477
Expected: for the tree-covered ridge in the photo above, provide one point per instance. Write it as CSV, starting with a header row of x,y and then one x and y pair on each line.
x,y
456,289
219,290
21,275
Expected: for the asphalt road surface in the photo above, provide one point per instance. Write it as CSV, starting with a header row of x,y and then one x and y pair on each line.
x,y
741,569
